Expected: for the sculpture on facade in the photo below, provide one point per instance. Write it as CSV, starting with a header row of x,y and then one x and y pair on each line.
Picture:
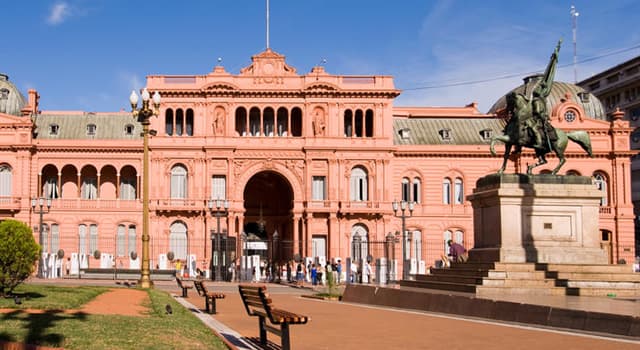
x,y
218,121
529,125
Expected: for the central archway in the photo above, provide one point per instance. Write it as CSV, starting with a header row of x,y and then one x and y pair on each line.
x,y
268,203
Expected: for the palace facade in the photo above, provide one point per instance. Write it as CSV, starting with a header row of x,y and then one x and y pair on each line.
x,y
307,164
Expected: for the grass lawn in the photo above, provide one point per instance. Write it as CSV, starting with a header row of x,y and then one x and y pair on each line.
x,y
157,330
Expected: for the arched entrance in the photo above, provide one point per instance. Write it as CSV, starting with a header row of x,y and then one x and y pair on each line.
x,y
268,228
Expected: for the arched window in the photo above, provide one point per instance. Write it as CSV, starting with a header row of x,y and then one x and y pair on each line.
x,y
50,187
189,122
132,239
358,184
405,190
178,240
6,181
89,188
296,122
179,122
348,123
283,122
268,121
359,242
458,191
254,122
120,241
168,122
358,123
178,182
241,121
446,191
417,188
368,123
600,180
458,237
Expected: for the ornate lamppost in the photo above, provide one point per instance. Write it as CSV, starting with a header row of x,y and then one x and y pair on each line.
x,y
218,210
403,216
39,204
143,114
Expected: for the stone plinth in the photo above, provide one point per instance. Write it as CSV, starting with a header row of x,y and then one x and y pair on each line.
x,y
539,218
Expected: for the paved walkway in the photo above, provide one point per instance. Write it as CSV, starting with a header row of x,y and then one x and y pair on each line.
x,y
339,325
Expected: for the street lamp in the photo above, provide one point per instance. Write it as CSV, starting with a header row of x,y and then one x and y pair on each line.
x,y
216,208
39,203
143,114
403,216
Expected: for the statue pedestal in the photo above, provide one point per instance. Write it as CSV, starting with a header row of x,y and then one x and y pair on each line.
x,y
539,218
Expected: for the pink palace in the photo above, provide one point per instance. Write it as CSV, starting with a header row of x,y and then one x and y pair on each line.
x,y
308,165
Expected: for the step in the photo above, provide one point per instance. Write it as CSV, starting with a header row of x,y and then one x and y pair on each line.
x,y
594,268
449,278
605,292
518,283
488,291
498,266
603,284
455,287
595,276
518,274
459,272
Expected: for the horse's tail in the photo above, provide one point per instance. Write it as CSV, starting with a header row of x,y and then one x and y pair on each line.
x,y
582,138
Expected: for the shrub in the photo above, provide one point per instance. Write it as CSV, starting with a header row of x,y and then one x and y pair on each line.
x,y
18,254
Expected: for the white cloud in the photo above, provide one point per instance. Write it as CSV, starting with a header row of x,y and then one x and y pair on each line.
x,y
59,13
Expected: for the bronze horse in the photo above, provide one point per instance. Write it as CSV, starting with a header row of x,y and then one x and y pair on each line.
x,y
518,132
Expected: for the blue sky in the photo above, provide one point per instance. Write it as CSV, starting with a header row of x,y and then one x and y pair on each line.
x,y
89,54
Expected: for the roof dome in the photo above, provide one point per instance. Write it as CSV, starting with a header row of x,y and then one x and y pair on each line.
x,y
11,100
592,106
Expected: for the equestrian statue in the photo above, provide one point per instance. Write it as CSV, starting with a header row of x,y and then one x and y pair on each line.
x,y
529,126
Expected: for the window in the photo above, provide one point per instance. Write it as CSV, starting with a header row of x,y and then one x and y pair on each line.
x,y
6,181
55,238
359,242
53,129
89,188
405,133
486,134
416,246
405,190
93,238
4,94
218,187
318,188
120,241
44,238
445,134
358,184
600,181
128,129
584,97
416,190
168,122
178,240
458,191
132,239
82,239
569,116
178,182
446,191
91,130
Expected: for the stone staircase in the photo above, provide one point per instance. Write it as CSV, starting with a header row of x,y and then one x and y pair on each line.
x,y
486,279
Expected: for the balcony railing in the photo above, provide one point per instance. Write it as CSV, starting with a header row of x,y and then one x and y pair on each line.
x,y
78,203
9,203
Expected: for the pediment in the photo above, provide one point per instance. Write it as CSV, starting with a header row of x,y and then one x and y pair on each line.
x,y
268,63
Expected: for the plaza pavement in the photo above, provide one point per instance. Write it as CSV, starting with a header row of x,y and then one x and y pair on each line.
x,y
344,326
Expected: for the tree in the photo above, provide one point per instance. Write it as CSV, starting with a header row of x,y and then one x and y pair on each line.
x,y
18,255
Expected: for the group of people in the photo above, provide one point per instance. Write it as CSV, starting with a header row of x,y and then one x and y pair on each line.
x,y
316,273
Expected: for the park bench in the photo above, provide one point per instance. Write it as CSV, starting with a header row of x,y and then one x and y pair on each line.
x,y
184,287
209,297
257,303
